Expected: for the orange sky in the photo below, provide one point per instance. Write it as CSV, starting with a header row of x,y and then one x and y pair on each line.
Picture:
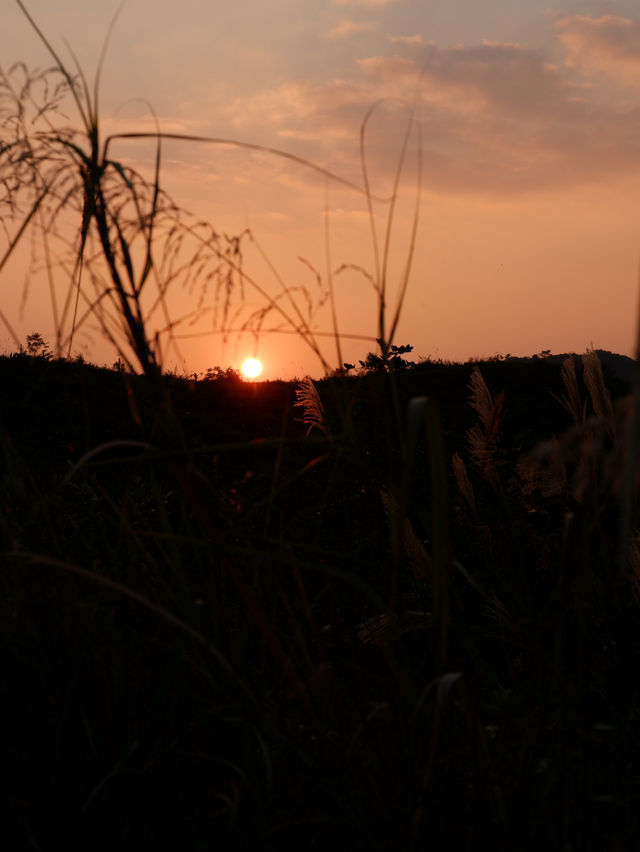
x,y
530,119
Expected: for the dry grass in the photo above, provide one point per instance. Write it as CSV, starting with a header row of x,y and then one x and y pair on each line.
x,y
600,397
576,408
483,439
314,416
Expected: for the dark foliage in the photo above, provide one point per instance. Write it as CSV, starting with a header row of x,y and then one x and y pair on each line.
x,y
224,631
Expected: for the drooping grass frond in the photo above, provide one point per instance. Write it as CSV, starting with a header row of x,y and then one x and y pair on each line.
x,y
308,399
361,271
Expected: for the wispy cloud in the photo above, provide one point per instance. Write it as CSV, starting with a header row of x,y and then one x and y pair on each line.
x,y
504,118
608,44
415,39
347,27
498,118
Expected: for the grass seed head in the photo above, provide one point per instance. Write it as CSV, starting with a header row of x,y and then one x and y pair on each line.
x,y
308,399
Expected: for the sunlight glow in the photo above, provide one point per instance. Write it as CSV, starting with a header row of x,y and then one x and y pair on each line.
x,y
251,368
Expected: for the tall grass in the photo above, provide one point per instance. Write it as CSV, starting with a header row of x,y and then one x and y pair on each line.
x,y
134,243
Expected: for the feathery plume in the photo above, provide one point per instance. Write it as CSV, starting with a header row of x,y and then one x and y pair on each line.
x,y
572,403
307,398
415,554
600,397
482,441
481,400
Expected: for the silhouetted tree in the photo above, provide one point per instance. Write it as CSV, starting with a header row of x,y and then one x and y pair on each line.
x,y
37,346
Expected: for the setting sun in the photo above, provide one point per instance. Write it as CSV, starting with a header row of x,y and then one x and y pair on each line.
x,y
251,368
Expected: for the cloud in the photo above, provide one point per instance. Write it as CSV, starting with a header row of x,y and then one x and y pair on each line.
x,y
504,118
608,44
295,107
497,118
413,39
347,27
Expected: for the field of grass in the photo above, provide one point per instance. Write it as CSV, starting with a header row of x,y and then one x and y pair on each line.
x,y
251,636
395,609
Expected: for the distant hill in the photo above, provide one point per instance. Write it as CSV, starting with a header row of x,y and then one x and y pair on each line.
x,y
620,366
59,409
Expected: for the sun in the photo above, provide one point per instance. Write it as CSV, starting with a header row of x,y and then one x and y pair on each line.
x,y
251,368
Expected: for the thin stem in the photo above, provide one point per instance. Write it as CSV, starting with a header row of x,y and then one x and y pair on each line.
x,y
249,146
332,298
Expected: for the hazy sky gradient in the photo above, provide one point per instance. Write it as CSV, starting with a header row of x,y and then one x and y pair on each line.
x,y
530,115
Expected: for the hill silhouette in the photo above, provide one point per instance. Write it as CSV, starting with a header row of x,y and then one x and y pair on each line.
x,y
59,409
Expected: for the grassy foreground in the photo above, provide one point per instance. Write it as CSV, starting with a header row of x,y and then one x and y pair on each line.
x,y
401,615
